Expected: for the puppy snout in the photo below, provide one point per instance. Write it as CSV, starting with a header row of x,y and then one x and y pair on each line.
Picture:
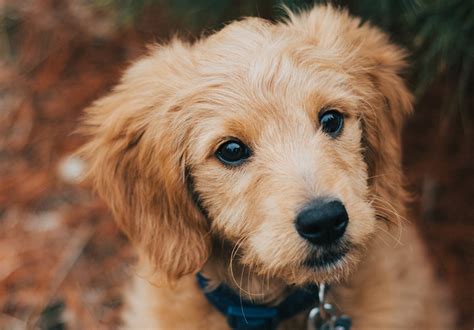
x,y
322,222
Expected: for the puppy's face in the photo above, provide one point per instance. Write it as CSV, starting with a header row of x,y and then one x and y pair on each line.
x,y
266,136
277,162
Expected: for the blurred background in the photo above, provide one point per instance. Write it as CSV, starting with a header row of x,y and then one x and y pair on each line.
x,y
63,262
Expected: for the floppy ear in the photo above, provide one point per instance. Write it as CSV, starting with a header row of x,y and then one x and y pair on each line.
x,y
136,161
383,122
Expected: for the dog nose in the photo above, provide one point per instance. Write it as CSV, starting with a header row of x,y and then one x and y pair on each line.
x,y
322,222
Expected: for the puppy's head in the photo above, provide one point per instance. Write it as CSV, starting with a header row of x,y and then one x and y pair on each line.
x,y
282,139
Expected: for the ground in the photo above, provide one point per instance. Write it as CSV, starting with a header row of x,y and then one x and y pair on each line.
x,y
63,261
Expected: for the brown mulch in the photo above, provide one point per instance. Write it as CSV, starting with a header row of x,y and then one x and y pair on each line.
x,y
63,262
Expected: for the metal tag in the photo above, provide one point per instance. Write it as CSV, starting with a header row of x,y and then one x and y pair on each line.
x,y
316,321
343,322
320,318
324,316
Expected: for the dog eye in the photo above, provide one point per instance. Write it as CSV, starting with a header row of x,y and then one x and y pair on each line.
x,y
332,122
232,152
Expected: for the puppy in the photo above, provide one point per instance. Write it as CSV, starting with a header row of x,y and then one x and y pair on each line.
x,y
266,158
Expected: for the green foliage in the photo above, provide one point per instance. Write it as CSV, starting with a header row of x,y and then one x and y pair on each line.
x,y
8,26
126,10
440,37
444,45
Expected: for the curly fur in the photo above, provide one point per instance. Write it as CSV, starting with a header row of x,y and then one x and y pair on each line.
x,y
151,158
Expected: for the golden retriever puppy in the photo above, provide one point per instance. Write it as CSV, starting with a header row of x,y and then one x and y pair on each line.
x,y
266,159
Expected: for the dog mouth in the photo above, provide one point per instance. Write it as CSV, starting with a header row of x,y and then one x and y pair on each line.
x,y
327,256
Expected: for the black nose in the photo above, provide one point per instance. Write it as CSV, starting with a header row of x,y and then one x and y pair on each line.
x,y
322,221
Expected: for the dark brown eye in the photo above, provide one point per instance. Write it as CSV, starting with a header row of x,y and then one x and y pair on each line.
x,y
232,152
332,122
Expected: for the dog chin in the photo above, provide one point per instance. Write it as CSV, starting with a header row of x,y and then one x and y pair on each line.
x,y
330,264
324,258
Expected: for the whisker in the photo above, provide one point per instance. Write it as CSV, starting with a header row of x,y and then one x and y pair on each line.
x,y
386,206
231,262
232,256
240,296
397,240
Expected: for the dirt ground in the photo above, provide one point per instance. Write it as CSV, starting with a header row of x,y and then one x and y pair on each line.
x,y
63,262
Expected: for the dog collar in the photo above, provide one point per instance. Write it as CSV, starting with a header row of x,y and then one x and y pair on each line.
x,y
245,315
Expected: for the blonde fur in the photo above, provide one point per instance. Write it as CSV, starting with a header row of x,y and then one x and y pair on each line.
x,y
151,158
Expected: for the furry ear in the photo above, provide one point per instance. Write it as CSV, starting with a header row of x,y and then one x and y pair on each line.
x,y
383,122
136,162
391,103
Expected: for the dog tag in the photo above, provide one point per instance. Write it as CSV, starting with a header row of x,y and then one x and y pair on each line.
x,y
326,320
324,316
343,322
320,318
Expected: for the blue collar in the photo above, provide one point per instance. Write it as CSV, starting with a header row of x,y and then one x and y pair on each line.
x,y
245,315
